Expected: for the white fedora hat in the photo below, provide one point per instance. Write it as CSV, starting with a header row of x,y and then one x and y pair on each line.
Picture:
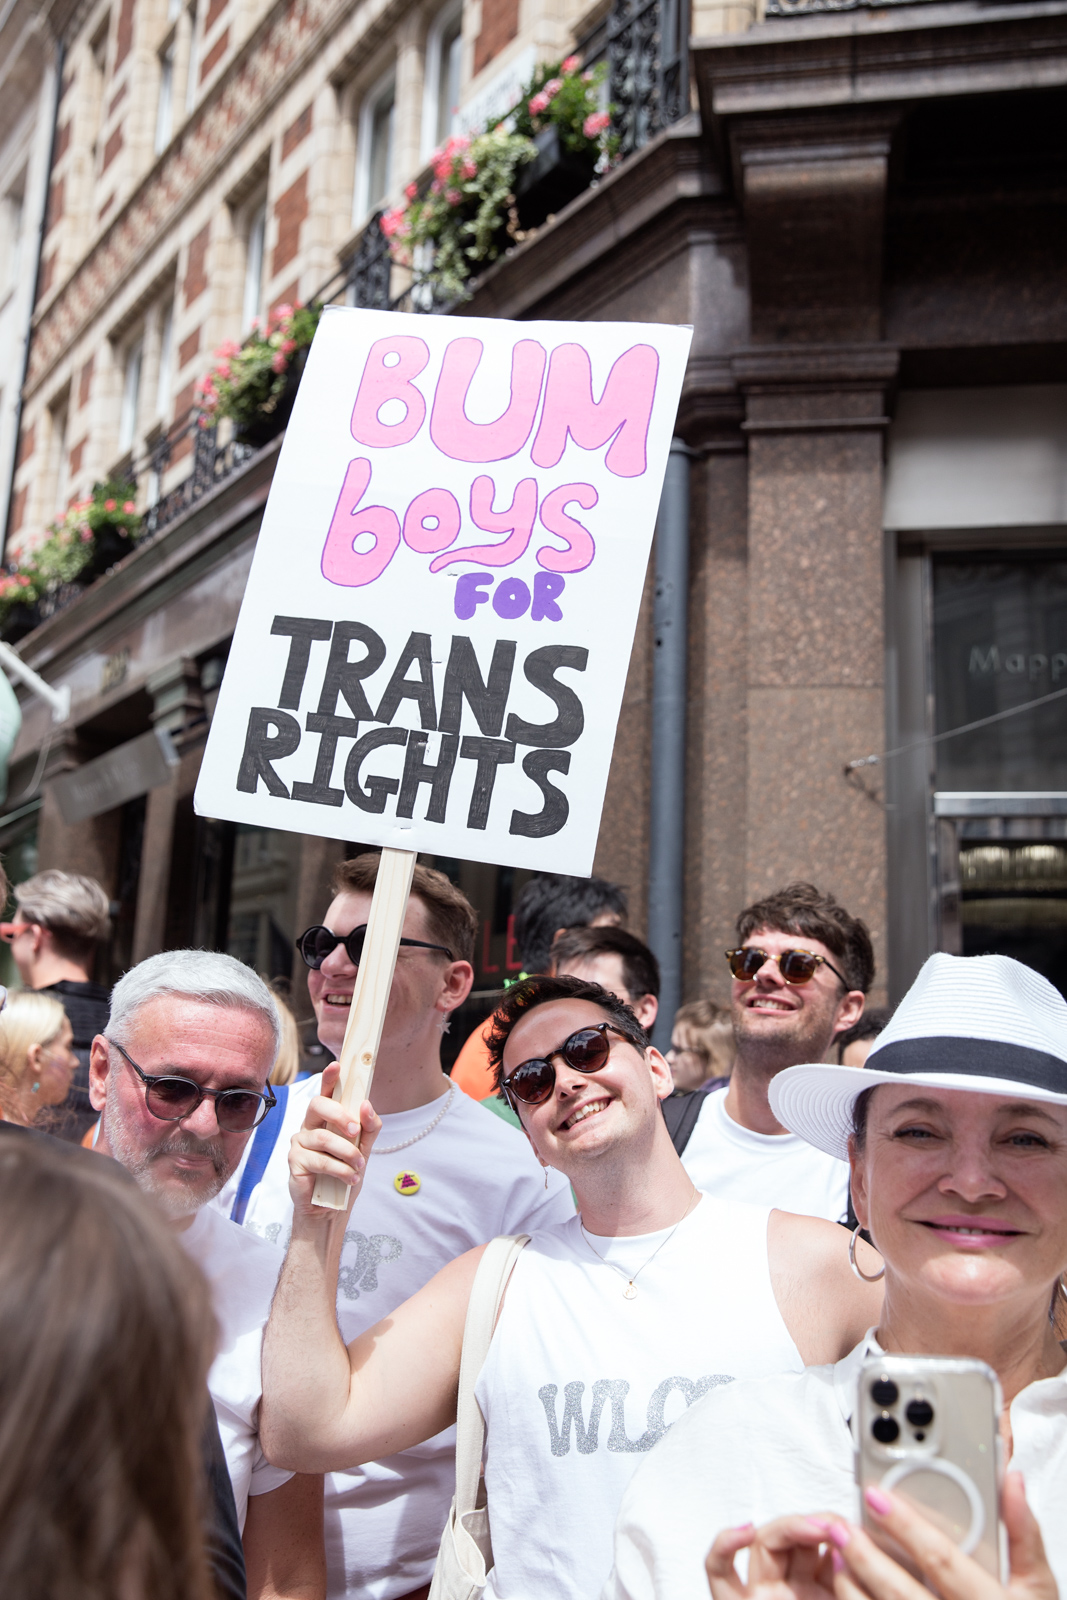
x,y
984,1024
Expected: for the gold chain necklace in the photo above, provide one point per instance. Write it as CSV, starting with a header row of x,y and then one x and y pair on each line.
x,y
630,1292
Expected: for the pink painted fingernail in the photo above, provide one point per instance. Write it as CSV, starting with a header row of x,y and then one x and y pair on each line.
x,y
837,1561
837,1535
821,1523
878,1501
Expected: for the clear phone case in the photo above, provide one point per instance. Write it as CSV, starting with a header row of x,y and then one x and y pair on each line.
x,y
926,1427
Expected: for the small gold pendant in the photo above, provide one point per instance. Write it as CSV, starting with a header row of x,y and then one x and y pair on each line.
x,y
630,1292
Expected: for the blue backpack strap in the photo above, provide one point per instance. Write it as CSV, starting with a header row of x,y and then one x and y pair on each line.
x,y
263,1141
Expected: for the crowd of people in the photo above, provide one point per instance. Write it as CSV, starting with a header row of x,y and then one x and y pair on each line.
x,y
617,1326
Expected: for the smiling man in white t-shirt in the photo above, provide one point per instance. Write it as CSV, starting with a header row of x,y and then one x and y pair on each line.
x,y
613,1322
180,1079
446,1176
801,969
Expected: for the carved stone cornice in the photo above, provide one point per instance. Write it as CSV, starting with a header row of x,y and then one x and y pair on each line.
x,y
815,368
260,73
884,56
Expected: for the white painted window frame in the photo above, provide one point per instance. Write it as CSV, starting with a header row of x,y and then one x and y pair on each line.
x,y
361,202
452,12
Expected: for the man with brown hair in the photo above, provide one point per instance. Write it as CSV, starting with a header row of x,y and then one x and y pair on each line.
x,y
445,1177
61,920
617,960
801,968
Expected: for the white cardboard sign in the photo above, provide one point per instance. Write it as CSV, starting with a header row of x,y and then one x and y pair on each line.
x,y
433,643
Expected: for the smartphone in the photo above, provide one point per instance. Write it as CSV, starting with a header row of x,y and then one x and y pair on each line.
x,y
926,1427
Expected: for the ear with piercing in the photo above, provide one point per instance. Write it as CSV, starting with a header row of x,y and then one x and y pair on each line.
x,y
864,1277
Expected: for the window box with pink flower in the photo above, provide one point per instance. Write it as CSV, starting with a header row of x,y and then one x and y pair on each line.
x,y
564,116
255,383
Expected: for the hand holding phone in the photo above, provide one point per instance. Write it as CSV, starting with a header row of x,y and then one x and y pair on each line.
x,y
927,1428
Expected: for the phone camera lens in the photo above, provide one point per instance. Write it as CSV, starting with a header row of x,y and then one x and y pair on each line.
x,y
886,1429
884,1392
920,1413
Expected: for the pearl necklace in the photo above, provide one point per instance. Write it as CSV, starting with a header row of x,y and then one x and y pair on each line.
x,y
630,1292
391,1149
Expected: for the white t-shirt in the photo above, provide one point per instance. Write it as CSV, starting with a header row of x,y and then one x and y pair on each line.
x,y
780,1446
242,1272
780,1170
477,1177
580,1381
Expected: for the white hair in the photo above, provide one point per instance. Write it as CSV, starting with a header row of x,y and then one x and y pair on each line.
x,y
204,975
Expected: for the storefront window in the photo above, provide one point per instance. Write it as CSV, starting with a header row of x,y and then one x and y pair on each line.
x,y
1000,645
1000,642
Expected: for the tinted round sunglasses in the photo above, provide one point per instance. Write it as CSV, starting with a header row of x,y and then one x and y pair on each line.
x,y
796,966
317,943
171,1098
586,1051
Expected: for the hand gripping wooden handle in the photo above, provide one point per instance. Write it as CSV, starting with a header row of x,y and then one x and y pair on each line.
x,y
374,980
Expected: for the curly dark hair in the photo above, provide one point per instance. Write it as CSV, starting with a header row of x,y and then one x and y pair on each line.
x,y
521,998
803,909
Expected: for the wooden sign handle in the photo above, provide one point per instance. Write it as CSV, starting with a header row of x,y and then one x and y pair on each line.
x,y
366,1019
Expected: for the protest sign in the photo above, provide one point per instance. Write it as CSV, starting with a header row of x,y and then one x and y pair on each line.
x,y
434,639
433,642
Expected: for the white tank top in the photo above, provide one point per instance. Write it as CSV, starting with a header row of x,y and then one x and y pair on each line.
x,y
580,1382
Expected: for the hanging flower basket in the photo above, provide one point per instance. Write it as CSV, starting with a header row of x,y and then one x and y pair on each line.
x,y
255,383
488,192
83,544
553,180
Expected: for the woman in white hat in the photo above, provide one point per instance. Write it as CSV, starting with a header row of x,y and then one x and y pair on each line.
x,y
956,1130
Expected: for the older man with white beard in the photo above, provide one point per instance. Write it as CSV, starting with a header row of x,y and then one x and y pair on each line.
x,y
180,1079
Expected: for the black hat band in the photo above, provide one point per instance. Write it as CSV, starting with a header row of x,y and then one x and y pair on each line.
x,y
980,1058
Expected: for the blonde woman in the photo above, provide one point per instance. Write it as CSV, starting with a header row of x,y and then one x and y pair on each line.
x,y
702,1044
36,1059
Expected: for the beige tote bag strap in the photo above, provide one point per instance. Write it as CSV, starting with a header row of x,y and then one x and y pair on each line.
x,y
487,1291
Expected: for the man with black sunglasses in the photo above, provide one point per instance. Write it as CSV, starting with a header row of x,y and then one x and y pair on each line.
x,y
800,969
612,1324
447,1175
180,1080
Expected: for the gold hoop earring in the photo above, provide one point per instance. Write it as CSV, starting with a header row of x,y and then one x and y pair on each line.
x,y
863,1276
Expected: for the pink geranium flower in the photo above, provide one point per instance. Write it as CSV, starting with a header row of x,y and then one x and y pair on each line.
x,y
129,507
595,124
552,87
109,505
411,191
571,64
539,103
279,361
453,196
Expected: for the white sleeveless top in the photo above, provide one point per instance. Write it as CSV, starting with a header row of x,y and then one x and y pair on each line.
x,y
580,1382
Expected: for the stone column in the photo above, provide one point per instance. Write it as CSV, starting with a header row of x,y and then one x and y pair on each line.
x,y
815,379
177,706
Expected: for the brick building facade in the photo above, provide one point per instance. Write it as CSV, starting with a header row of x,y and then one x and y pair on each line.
x,y
860,211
